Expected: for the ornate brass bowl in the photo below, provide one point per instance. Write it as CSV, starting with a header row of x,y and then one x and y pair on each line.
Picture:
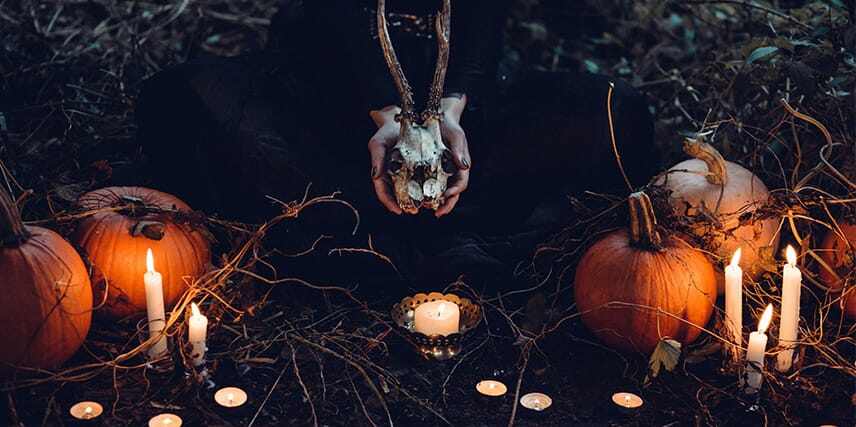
x,y
436,347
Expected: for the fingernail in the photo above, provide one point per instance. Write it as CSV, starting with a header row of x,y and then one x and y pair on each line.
x,y
466,163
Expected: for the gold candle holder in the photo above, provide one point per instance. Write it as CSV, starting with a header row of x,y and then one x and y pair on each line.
x,y
436,347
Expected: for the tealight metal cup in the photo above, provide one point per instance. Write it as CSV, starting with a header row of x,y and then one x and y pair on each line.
x,y
626,403
86,413
535,405
436,347
232,402
491,393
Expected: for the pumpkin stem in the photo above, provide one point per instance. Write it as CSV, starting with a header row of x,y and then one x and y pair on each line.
x,y
12,230
643,222
698,148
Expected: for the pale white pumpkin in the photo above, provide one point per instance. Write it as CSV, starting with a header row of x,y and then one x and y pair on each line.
x,y
721,192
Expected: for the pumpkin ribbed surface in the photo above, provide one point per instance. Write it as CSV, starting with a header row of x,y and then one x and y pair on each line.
x,y
727,192
47,298
117,250
834,251
840,259
632,292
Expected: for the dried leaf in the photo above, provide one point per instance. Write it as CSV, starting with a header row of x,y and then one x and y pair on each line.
x,y
665,356
536,311
153,230
704,353
70,192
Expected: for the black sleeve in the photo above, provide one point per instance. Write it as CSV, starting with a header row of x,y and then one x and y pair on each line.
x,y
475,48
476,43
348,29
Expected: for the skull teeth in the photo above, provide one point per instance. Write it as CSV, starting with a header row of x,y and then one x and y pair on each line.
x,y
431,188
414,191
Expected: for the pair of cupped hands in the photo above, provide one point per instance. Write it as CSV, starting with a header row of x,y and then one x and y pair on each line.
x,y
453,136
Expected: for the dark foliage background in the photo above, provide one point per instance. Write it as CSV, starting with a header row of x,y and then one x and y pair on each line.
x,y
69,75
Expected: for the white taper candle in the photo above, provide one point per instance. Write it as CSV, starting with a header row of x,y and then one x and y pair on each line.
x,y
198,330
154,307
756,351
791,284
734,303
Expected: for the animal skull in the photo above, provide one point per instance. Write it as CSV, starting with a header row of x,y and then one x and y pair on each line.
x,y
420,164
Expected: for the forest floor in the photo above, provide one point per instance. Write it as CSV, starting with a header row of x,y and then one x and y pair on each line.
x,y
70,73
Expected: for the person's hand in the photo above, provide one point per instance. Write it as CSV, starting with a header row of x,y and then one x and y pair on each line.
x,y
454,138
381,142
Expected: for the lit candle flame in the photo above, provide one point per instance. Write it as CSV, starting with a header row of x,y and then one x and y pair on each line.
x,y
167,421
791,255
735,259
441,309
88,410
150,261
764,323
194,309
491,385
627,398
230,397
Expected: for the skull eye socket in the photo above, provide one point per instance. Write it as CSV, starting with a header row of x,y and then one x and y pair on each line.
x,y
396,161
447,162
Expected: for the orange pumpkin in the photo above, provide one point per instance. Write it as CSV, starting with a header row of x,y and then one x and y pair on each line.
x,y
839,260
127,222
634,287
709,186
46,308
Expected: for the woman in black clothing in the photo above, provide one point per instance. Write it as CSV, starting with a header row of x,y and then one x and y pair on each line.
x,y
223,134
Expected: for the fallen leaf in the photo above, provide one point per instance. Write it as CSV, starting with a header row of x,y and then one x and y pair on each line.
x,y
761,53
665,356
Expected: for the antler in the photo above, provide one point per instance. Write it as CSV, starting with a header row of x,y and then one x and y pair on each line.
x,y
404,91
441,25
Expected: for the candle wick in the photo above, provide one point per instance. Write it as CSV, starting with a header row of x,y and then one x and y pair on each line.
x,y
440,309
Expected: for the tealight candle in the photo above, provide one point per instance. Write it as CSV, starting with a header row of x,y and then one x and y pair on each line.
x,y
627,400
154,307
165,420
230,397
491,388
791,284
86,410
198,329
734,304
437,318
536,401
755,353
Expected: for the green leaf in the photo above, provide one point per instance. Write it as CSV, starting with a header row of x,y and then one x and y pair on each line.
x,y
665,356
761,53
838,3
591,66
